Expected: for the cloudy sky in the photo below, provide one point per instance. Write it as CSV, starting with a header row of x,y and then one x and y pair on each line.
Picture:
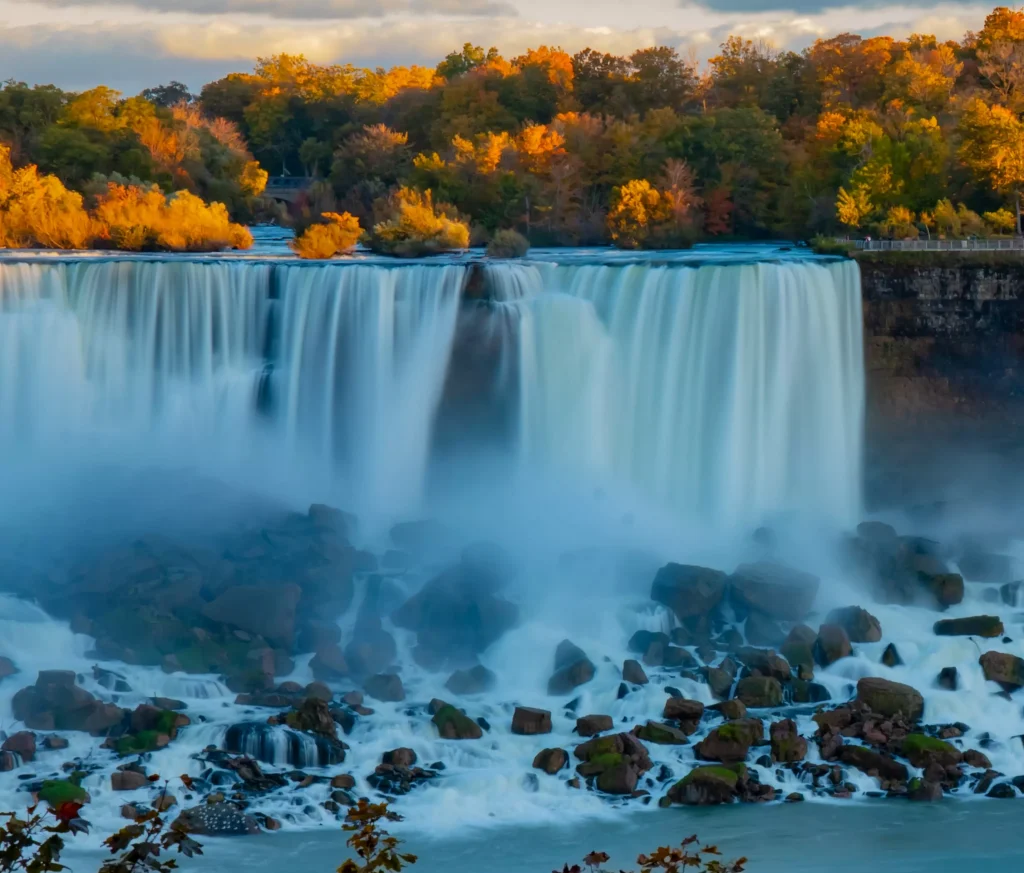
x,y
131,44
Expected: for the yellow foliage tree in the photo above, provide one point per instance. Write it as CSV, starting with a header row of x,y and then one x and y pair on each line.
x,y
38,211
899,223
336,234
418,227
1001,221
853,207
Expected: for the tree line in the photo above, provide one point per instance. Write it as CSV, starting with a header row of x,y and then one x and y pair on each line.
x,y
853,135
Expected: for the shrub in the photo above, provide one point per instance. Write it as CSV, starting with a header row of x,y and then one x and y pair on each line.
x,y
642,217
508,244
417,227
826,245
338,233
1002,221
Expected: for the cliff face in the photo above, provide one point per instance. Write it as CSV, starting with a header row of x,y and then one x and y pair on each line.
x,y
943,341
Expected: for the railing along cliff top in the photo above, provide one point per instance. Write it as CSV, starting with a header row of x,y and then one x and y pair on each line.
x,y
941,245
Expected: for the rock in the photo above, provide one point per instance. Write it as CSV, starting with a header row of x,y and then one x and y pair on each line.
x,y
591,725
551,761
798,647
318,690
313,716
922,790
948,678
55,702
7,668
267,611
759,692
731,741
343,782
764,662
642,640
976,759
572,669
329,664
23,744
55,743
475,680
890,698
687,712
891,656
947,588
762,631
633,672
832,644
774,590
399,758
315,635
978,566
687,590
1002,791
877,532
708,786
731,709
1007,670
719,681
1010,593
453,724
458,614
795,797
372,649
616,762
127,780
528,721
802,691
872,763
386,687
216,820
860,625
922,750
788,746
661,734
660,655
974,626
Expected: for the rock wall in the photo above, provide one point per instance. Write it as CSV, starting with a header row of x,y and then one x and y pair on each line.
x,y
943,341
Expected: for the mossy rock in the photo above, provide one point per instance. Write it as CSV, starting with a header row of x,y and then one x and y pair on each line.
x,y
662,734
58,791
921,750
140,743
731,774
453,724
607,760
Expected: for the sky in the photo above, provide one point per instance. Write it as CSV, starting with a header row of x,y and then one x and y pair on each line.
x,y
134,44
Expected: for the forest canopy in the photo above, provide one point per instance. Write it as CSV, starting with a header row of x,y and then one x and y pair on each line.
x,y
901,137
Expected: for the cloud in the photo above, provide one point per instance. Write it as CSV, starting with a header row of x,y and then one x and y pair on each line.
x,y
305,9
800,7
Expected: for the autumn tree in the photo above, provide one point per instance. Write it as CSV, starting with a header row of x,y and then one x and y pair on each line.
x,y
992,148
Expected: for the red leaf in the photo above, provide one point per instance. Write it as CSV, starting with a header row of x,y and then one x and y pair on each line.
x,y
68,811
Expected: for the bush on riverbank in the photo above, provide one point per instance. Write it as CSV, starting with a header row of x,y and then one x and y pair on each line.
x,y
823,245
417,226
337,234
37,211
508,244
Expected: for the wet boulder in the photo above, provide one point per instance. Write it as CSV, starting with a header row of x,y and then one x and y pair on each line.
x,y
764,662
832,644
615,762
689,591
687,713
860,625
453,724
922,750
719,681
891,656
592,725
128,780
313,716
551,761
475,680
22,744
730,709
55,702
923,790
948,679
386,687
267,611
216,820
890,698
788,746
730,742
709,786
572,669
973,626
873,763
661,734
762,631
1011,593
798,649
633,672
759,692
329,664
7,668
774,590
1007,670
528,721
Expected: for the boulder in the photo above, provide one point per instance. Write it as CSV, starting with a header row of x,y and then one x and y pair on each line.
x,y
890,698
1010,593
788,746
386,687
55,702
922,751
661,734
731,709
719,681
832,644
528,721
475,680
633,672
802,691
731,741
7,668
128,780
759,692
216,820
764,662
329,664
762,631
572,669
872,763
615,762
891,656
974,626
877,532
687,590
773,590
551,761
267,611
921,790
980,566
708,786
946,588
23,744
315,635
591,725
948,678
860,625
1007,670
371,650
687,713
642,640
453,724
313,716
976,759
403,757
661,655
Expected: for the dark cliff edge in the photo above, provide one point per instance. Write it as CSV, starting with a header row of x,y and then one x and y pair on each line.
x,y
944,347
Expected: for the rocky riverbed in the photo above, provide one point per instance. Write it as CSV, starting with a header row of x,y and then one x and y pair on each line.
x,y
289,668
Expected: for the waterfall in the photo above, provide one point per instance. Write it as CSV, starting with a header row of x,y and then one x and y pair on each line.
x,y
729,392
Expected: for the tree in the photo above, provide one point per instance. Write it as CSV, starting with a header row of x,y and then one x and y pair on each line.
x,y
853,207
470,58
168,95
992,148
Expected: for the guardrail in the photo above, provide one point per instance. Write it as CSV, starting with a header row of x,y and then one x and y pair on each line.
x,y
941,245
